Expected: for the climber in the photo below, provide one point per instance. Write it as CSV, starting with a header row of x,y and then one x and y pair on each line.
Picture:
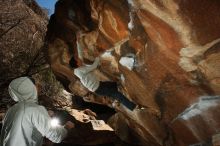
x,y
106,88
26,122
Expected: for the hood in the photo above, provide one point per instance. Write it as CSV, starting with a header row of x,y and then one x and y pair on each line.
x,y
23,89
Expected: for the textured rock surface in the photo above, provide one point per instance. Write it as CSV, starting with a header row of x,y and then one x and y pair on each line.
x,y
22,29
176,74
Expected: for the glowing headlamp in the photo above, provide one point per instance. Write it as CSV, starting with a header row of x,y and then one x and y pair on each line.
x,y
54,122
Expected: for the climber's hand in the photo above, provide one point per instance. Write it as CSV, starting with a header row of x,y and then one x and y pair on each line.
x,y
89,112
51,113
115,104
97,59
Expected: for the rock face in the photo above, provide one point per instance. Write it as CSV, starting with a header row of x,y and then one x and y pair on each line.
x,y
176,68
23,26
22,29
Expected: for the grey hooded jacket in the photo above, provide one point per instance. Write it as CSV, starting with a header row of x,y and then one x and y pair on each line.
x,y
87,76
26,122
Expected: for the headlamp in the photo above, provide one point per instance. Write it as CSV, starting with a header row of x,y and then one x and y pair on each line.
x,y
54,122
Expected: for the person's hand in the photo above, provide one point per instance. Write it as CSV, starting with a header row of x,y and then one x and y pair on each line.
x,y
89,112
80,34
69,125
51,113
97,59
115,104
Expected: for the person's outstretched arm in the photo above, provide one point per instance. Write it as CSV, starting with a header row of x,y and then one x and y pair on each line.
x,y
42,122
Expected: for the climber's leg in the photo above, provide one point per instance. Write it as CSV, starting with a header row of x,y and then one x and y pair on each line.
x,y
110,89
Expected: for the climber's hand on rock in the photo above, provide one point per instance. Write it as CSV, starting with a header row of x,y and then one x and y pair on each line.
x,y
97,60
115,104
89,112
69,125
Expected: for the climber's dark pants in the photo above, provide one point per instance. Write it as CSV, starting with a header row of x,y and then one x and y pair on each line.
x,y
110,89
